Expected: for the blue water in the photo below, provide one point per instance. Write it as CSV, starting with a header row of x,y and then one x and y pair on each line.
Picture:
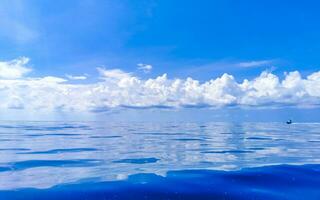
x,y
100,160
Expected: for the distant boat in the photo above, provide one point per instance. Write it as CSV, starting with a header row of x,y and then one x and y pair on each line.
x,y
289,121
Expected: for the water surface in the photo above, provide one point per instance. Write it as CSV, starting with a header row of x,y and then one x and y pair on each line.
x,y
159,160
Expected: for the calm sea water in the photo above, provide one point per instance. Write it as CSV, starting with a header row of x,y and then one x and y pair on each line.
x,y
100,160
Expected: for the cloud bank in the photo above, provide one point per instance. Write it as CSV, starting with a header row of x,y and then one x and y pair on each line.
x,y
117,88
14,69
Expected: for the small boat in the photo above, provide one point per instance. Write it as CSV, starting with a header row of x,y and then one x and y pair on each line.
x,y
289,121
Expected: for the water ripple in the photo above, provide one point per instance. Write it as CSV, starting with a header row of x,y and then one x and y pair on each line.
x,y
57,151
137,160
22,165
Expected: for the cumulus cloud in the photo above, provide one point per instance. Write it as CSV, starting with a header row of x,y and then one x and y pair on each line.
x,y
144,67
14,69
120,89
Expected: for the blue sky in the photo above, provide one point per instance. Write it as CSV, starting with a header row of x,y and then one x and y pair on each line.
x,y
181,39
124,43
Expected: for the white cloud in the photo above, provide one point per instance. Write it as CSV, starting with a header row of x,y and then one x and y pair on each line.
x,y
121,89
255,63
113,73
14,69
50,79
144,67
71,77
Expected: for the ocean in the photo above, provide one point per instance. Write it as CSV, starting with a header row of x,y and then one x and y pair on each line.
x,y
104,160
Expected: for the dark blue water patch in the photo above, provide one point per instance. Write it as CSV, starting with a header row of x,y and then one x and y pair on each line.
x,y
188,139
172,126
137,160
7,140
258,138
33,135
157,133
57,151
229,151
4,169
62,134
37,127
7,133
315,141
22,165
272,183
232,133
107,136
257,148
279,139
206,162
14,149
54,128
9,126
201,149
52,134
